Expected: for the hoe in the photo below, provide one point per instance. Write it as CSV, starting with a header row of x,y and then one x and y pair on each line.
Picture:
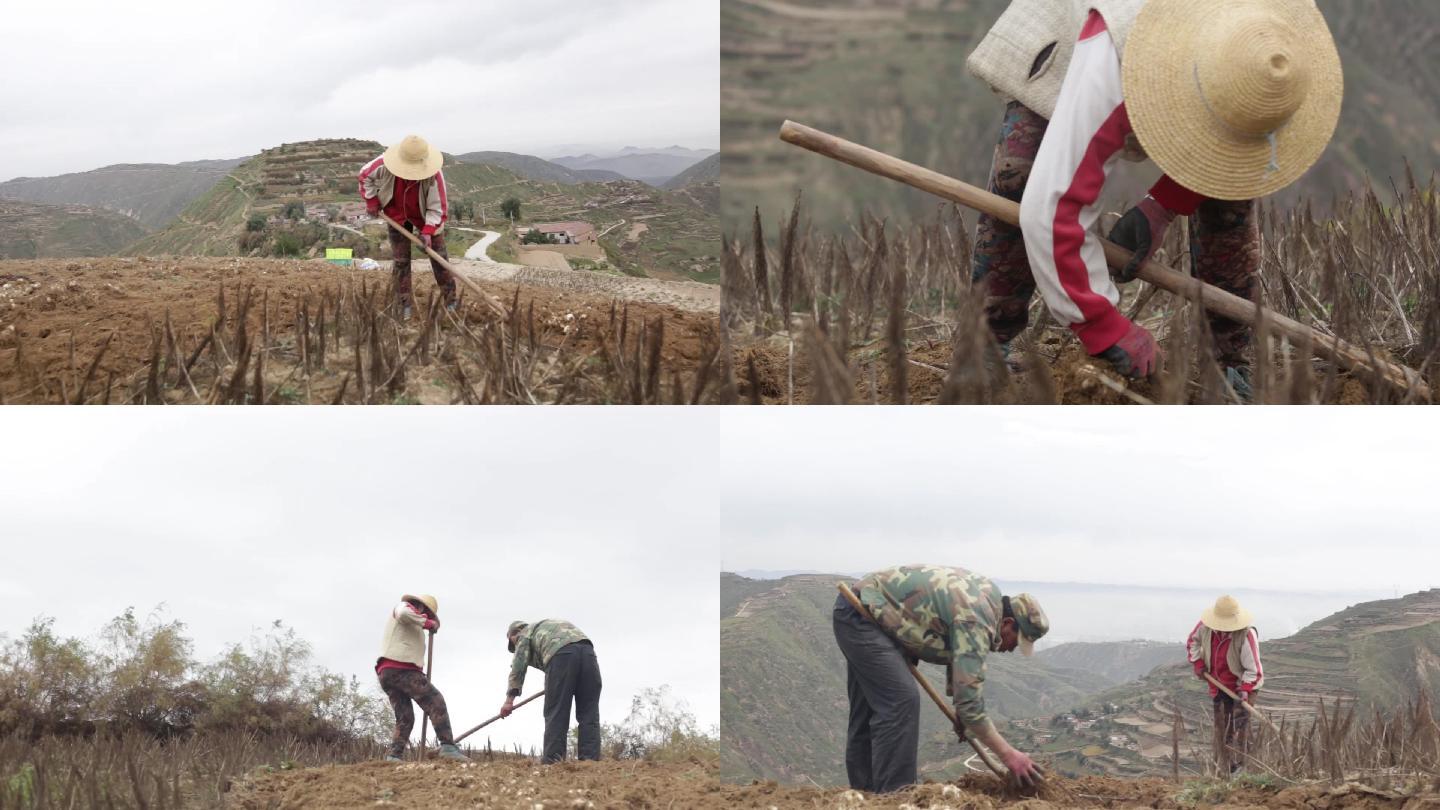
x,y
984,755
497,717
491,301
1210,297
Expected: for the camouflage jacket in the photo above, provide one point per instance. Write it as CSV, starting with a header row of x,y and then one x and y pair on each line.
x,y
536,645
942,615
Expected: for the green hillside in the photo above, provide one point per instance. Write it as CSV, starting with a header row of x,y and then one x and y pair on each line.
x,y
1381,655
33,231
1116,661
681,239
782,681
152,193
892,76
535,168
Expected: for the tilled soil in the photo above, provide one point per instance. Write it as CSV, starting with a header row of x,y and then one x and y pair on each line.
x,y
45,304
633,785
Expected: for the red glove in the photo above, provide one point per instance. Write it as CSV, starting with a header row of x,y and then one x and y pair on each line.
x,y
432,625
372,205
1141,230
1135,355
427,239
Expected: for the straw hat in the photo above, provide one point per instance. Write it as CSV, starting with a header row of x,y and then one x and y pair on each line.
x,y
1234,99
425,599
413,159
1226,615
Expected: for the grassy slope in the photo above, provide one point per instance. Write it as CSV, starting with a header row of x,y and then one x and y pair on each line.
x,y
151,193
783,704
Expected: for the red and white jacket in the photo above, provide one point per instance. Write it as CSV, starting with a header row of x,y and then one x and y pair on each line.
x,y
421,202
1085,138
1233,659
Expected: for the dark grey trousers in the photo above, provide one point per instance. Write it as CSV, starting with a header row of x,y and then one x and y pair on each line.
x,y
883,738
573,674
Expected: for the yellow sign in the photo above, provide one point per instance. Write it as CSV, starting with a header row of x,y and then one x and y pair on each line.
x,y
340,255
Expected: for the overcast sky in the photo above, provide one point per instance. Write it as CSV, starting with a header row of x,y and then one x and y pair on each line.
x,y
168,80
325,517
1316,508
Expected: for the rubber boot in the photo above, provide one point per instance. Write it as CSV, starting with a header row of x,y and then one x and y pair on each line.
x,y
1238,377
452,751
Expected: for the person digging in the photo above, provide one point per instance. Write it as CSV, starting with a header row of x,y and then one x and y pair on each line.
x,y
572,674
1233,100
402,677
933,613
407,184
1225,646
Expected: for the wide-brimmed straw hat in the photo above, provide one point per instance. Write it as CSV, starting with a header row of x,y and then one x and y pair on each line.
x,y
1233,99
425,599
413,159
1226,615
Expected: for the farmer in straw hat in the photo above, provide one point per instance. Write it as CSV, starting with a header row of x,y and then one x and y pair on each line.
x,y
402,676
932,613
572,674
1224,645
407,184
1232,99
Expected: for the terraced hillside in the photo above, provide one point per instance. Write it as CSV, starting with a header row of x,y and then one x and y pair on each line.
x,y
890,74
680,240
782,679
1379,655
31,231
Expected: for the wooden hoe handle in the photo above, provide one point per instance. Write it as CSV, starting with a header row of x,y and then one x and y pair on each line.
x,y
1212,298
497,717
491,301
1244,703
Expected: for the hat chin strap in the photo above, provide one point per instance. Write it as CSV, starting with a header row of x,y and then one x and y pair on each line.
x,y
1274,164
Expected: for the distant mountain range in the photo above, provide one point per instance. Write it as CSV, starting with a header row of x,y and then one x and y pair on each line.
x,y
653,167
151,193
539,169
706,171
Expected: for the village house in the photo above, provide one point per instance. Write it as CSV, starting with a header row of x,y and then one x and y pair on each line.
x,y
565,233
317,213
353,212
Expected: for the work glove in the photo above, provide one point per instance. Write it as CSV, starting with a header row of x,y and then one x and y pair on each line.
x,y
433,625
372,206
426,239
1135,356
1141,230
507,707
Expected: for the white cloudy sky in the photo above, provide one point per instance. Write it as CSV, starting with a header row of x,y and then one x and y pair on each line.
x,y
1299,511
324,517
169,80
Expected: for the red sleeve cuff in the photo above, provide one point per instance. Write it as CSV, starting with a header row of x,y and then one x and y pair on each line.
x,y
428,230
1176,197
1102,331
429,624
1247,687
1199,666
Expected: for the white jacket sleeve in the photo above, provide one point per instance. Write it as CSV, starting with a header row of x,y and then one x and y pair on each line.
x,y
1085,138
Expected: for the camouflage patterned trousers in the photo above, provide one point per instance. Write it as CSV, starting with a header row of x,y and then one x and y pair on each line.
x,y
1232,734
400,252
403,686
1224,243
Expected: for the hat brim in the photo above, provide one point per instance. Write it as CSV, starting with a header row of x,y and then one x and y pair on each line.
x,y
1241,620
406,170
1175,125
410,597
